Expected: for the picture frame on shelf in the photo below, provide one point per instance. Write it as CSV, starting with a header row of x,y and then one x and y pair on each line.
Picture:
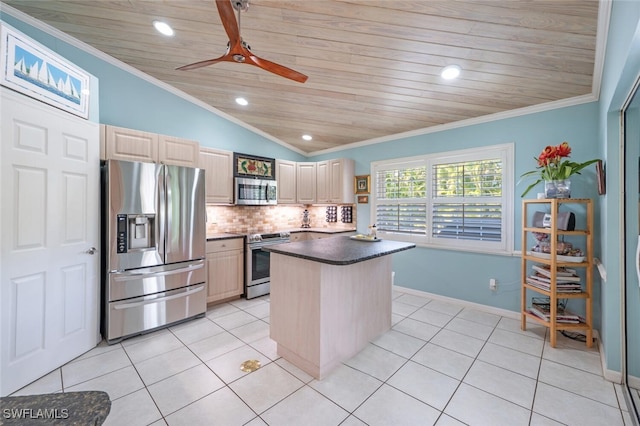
x,y
363,199
38,72
362,184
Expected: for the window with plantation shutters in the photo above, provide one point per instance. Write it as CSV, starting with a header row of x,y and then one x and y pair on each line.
x,y
458,200
466,202
401,203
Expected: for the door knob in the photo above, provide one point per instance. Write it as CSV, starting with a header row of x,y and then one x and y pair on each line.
x,y
92,250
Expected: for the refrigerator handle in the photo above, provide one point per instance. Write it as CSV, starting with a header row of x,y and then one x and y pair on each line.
x,y
186,293
136,275
161,209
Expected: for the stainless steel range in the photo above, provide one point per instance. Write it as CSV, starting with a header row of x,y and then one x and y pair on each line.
x,y
257,277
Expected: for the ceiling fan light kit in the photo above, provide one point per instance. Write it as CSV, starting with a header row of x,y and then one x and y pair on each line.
x,y
237,49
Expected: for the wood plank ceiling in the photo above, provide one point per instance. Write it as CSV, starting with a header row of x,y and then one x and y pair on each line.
x,y
373,65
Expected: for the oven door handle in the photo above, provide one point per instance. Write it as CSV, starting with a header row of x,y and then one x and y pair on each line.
x,y
160,299
258,246
136,275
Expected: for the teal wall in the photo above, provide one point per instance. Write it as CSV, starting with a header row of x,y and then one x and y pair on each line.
x,y
439,271
592,130
130,101
622,64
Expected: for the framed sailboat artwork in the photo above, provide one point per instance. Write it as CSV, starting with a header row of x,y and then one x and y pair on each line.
x,y
36,71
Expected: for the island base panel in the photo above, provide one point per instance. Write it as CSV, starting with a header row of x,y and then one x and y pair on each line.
x,y
322,314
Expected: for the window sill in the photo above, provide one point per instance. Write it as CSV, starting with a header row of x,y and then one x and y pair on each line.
x,y
419,242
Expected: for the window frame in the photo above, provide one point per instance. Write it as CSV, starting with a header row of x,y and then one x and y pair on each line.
x,y
505,152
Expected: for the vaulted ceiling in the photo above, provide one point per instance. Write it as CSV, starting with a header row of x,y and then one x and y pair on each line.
x,y
373,65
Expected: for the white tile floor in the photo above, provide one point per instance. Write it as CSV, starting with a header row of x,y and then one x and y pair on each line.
x,y
441,364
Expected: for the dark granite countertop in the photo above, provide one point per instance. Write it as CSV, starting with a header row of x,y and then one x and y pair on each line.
x,y
340,250
223,236
322,230
69,408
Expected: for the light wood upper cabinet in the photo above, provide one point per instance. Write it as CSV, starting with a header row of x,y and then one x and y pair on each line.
x,y
306,182
335,181
178,151
119,143
341,176
323,182
225,269
218,166
130,145
286,177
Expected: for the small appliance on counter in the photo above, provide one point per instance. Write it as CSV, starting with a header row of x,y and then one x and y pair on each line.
x,y
306,221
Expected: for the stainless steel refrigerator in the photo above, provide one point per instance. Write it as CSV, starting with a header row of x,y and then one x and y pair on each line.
x,y
153,223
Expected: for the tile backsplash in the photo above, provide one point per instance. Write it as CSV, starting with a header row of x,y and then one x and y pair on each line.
x,y
256,219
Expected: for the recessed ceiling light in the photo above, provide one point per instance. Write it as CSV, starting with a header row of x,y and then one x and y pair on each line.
x,y
307,137
450,72
163,28
242,101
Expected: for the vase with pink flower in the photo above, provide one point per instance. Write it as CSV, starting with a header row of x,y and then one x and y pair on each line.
x,y
555,169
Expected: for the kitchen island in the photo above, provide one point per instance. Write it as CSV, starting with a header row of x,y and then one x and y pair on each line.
x,y
329,298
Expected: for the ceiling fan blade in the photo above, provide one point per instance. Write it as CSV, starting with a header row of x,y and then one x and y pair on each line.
x,y
228,18
206,63
277,69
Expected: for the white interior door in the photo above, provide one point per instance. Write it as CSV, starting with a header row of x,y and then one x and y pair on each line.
x,y
49,222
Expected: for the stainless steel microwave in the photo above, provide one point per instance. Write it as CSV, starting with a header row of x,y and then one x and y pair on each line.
x,y
255,192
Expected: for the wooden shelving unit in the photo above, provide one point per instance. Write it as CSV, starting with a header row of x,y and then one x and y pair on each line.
x,y
528,259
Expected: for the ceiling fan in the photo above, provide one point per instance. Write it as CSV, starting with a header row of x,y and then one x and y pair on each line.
x,y
237,49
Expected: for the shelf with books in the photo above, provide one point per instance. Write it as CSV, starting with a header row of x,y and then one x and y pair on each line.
x,y
557,270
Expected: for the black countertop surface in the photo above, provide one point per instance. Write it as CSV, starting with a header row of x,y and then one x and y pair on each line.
x,y
223,236
69,408
340,250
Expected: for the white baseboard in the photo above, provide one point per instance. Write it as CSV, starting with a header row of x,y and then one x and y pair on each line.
x,y
480,307
634,382
610,375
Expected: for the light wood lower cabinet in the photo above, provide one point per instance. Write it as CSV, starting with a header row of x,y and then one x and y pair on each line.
x,y
318,235
225,269
298,236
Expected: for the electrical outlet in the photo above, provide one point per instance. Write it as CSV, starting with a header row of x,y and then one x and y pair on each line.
x,y
493,285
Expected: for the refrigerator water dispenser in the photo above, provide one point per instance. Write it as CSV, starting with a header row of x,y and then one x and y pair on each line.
x,y
135,232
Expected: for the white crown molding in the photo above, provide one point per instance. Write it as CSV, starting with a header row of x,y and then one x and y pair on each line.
x,y
117,63
604,18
